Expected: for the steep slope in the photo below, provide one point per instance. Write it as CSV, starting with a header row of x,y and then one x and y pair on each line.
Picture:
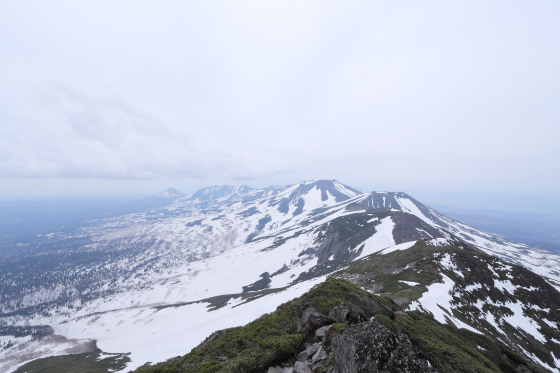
x,y
470,290
538,261
218,247
505,312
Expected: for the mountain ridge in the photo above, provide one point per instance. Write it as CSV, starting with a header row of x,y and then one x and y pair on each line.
x,y
224,241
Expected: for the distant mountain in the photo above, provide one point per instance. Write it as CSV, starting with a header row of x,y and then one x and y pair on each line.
x,y
156,201
160,199
170,193
240,252
216,193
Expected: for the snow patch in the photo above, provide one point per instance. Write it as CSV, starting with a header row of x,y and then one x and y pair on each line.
x,y
382,238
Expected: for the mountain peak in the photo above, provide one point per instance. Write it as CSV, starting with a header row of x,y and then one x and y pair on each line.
x,y
220,191
168,193
333,188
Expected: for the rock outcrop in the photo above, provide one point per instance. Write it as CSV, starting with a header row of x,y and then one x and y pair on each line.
x,y
309,319
371,347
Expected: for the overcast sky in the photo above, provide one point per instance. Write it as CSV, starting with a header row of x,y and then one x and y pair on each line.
x,y
102,97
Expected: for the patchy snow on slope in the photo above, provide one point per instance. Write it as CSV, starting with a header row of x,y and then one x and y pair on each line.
x,y
401,246
227,238
149,336
447,262
437,301
313,200
440,242
410,283
382,239
471,288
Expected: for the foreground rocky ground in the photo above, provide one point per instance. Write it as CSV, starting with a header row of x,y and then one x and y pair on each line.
x,y
338,327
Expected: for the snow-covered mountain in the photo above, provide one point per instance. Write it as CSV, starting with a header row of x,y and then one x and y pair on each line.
x,y
142,283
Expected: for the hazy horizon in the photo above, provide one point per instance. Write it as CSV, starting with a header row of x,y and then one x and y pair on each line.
x,y
448,102
544,204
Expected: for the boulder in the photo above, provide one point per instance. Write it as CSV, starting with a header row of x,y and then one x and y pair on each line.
x,y
347,312
319,355
301,367
303,312
371,347
309,319
308,352
321,333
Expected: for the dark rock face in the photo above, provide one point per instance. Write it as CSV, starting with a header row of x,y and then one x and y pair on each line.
x,y
309,319
347,312
303,312
370,347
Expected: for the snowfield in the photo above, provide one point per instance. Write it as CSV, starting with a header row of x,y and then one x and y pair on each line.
x,y
153,272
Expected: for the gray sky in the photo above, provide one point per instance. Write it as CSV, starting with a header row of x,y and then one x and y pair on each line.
x,y
106,97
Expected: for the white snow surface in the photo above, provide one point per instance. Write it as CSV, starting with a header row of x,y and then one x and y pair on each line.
x,y
438,298
382,239
410,283
193,250
401,246
152,335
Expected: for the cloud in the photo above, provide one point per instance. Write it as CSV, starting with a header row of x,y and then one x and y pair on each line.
x,y
74,135
398,94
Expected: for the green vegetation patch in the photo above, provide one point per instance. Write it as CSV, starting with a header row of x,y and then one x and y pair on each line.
x,y
273,337
334,291
450,349
89,362
384,273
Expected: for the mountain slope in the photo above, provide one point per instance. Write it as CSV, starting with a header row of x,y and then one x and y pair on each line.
x,y
220,247
274,339
470,290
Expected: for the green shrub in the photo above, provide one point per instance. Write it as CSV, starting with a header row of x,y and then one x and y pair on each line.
x,y
285,344
339,327
385,320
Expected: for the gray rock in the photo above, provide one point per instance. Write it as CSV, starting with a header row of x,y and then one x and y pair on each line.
x,y
338,313
347,312
321,333
371,347
303,312
319,355
303,355
402,302
320,366
301,367
308,352
313,348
